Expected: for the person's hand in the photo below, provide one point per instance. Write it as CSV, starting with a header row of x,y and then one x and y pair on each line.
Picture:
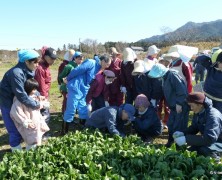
x,y
178,108
106,103
177,134
65,80
153,102
31,125
41,98
123,89
180,140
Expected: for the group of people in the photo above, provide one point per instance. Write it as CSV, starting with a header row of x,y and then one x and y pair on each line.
x,y
114,90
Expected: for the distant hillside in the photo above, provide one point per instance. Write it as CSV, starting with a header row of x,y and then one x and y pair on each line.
x,y
190,32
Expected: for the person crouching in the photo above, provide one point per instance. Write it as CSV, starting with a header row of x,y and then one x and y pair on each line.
x,y
147,124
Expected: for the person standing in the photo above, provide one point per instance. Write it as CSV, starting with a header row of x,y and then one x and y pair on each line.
x,y
67,58
116,93
184,69
199,69
43,76
151,58
12,85
126,78
213,83
175,93
78,84
29,122
76,60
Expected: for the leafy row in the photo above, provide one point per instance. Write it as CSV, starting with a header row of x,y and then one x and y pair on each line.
x,y
92,155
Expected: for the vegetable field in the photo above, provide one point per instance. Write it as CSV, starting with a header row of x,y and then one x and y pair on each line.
x,y
90,154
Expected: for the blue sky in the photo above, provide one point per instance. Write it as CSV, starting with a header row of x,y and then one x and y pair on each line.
x,y
32,24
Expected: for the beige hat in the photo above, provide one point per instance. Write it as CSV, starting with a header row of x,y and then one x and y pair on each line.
x,y
129,55
138,67
173,55
153,50
69,55
113,50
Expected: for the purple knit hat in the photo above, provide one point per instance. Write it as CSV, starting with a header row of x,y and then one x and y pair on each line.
x,y
142,100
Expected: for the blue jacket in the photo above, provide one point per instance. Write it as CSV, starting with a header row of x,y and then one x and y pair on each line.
x,y
208,123
106,117
198,65
148,123
155,88
79,79
213,83
12,85
174,88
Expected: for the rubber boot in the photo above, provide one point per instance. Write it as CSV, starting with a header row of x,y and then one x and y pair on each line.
x,y
65,128
16,148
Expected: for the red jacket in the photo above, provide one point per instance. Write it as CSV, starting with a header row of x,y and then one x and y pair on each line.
x,y
187,72
61,67
116,68
43,76
98,87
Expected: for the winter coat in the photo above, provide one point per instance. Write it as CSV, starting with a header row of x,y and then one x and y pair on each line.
x,y
79,78
12,85
142,84
126,77
197,65
208,123
106,117
19,114
185,71
174,89
43,76
61,67
148,123
115,66
213,84
98,87
67,69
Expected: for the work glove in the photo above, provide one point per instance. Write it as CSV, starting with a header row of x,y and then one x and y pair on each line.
x,y
180,141
153,102
106,103
178,108
123,89
177,134
89,107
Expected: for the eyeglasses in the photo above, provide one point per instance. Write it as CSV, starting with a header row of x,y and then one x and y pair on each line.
x,y
109,77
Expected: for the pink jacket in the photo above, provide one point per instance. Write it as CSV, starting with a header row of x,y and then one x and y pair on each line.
x,y
19,114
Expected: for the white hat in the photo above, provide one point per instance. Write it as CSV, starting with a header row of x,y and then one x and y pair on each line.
x,y
173,54
69,54
138,67
153,50
183,52
129,55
